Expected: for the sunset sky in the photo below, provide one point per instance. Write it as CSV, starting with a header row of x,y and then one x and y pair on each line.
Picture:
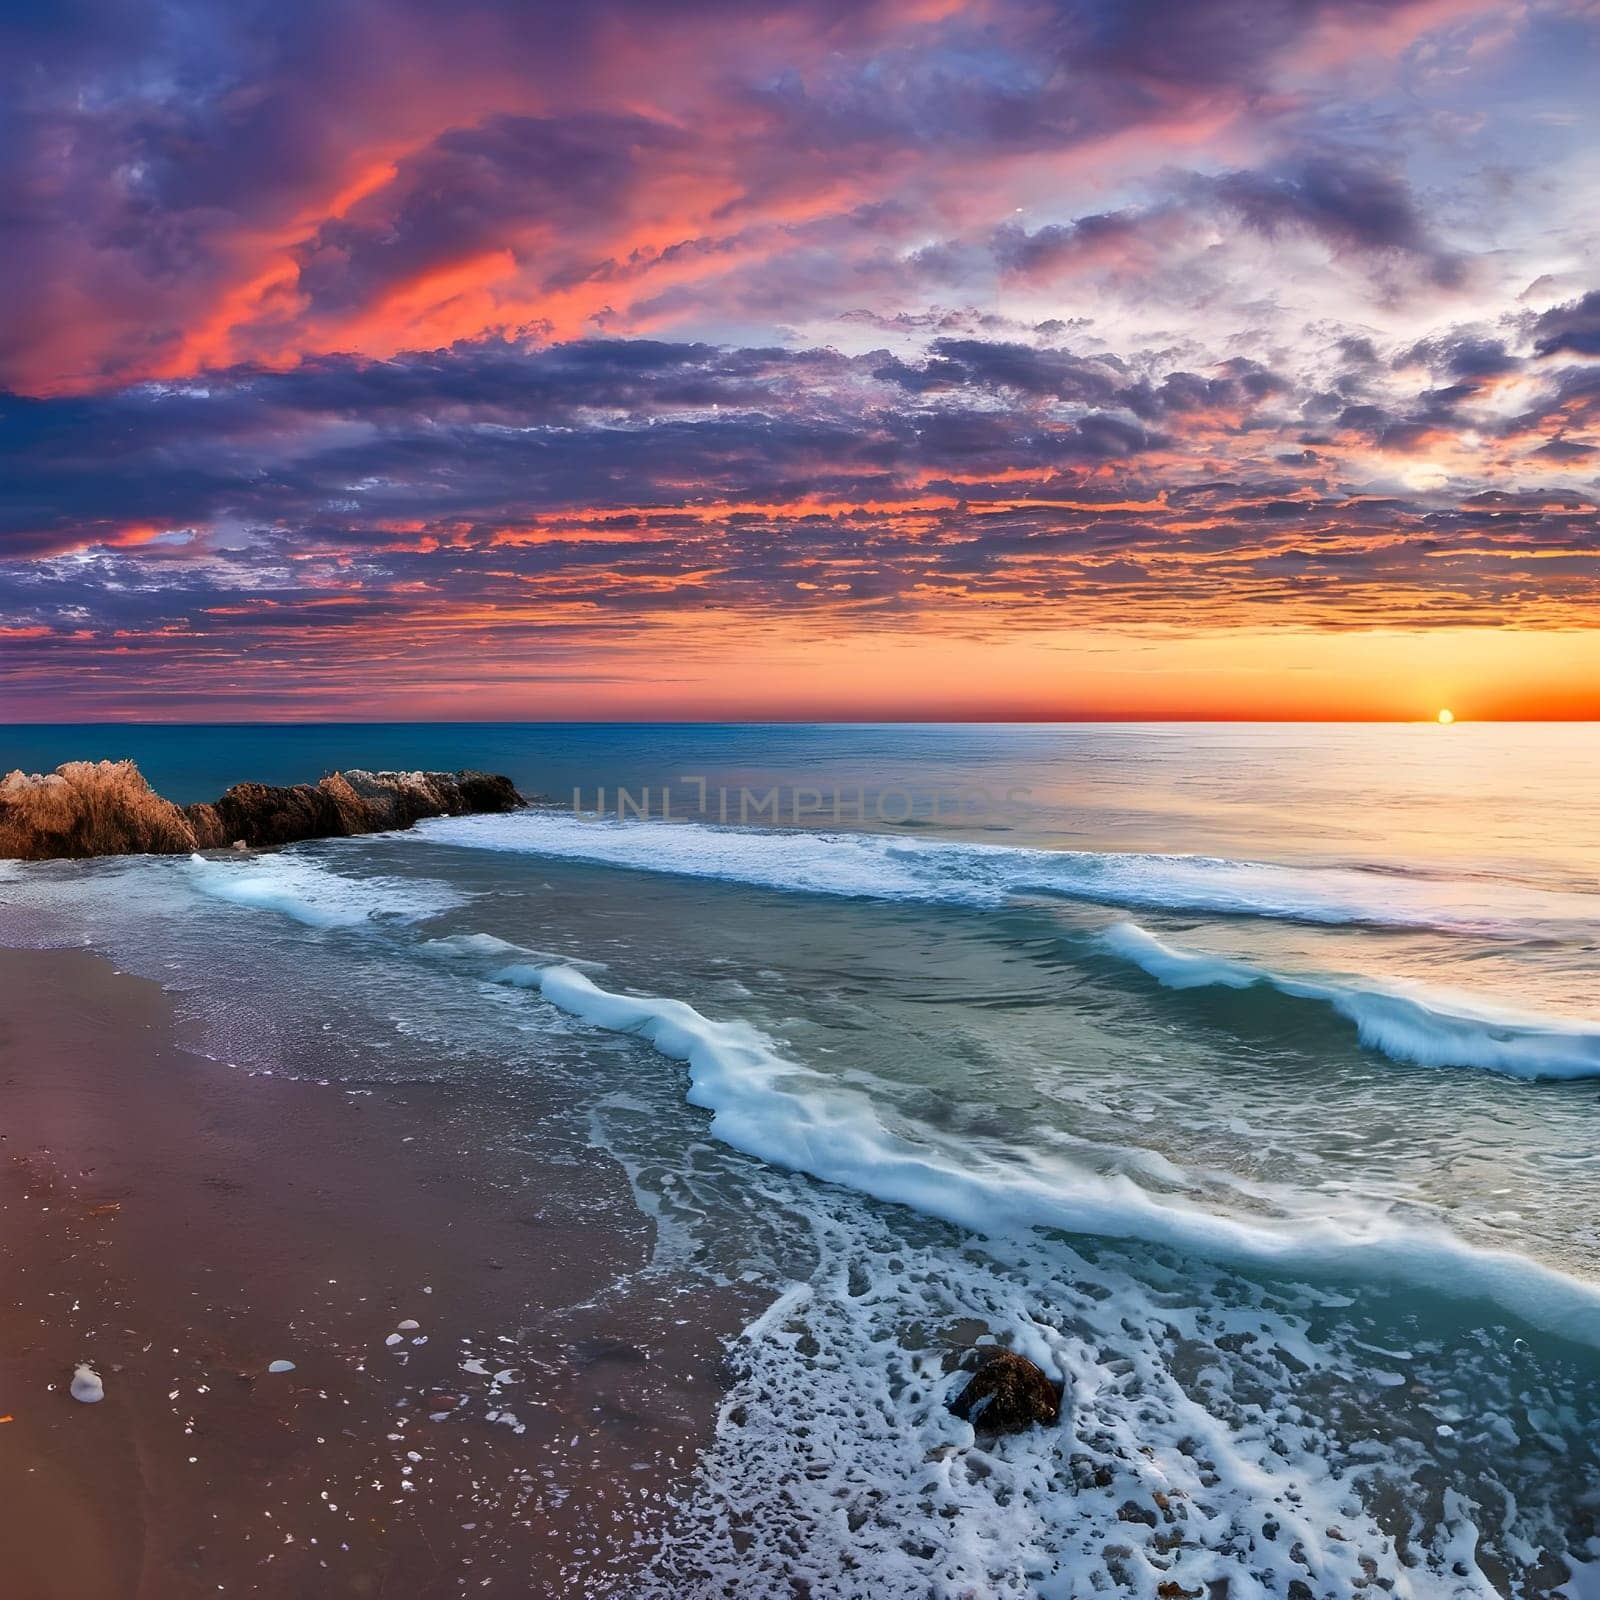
x,y
687,358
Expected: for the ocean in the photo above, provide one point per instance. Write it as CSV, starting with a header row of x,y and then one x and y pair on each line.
x,y
1243,1076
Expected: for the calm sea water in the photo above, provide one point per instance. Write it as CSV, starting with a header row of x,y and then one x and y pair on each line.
x,y
1245,1076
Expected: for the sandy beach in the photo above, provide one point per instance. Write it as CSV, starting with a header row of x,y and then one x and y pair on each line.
x,y
482,1399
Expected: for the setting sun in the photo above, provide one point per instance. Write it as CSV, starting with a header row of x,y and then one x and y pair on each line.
x,y
1447,717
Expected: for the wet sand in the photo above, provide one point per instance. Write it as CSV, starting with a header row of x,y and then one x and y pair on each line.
x,y
180,1225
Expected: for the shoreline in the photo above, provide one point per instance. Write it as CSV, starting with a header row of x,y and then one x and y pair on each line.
x,y
180,1224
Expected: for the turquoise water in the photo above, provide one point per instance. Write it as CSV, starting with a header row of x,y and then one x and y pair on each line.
x,y
1249,1077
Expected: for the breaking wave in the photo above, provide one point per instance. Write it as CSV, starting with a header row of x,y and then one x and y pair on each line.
x,y
1405,1021
888,867
795,1118
300,887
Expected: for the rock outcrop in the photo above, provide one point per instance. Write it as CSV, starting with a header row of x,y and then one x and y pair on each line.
x,y
1007,1393
105,808
87,808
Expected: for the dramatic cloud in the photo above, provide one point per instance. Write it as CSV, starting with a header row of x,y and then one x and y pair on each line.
x,y
345,333
1572,329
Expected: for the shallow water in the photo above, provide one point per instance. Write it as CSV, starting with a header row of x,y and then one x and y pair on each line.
x,y
1248,1077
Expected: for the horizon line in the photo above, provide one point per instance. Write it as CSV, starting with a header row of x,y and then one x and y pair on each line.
x,y
1429,720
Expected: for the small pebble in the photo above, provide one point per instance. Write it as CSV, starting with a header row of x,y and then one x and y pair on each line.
x,y
86,1385
281,1366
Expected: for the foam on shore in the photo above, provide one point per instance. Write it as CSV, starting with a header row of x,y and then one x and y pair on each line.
x,y
1200,1446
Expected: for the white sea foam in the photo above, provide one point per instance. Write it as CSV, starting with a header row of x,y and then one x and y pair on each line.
x,y
888,867
465,946
300,887
457,945
1405,1021
1197,1446
798,1119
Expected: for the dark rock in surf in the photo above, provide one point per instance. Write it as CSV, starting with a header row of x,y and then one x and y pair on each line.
x,y
1007,1393
90,808
397,799
264,814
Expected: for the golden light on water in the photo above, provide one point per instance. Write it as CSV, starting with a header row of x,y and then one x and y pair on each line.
x,y
1447,717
